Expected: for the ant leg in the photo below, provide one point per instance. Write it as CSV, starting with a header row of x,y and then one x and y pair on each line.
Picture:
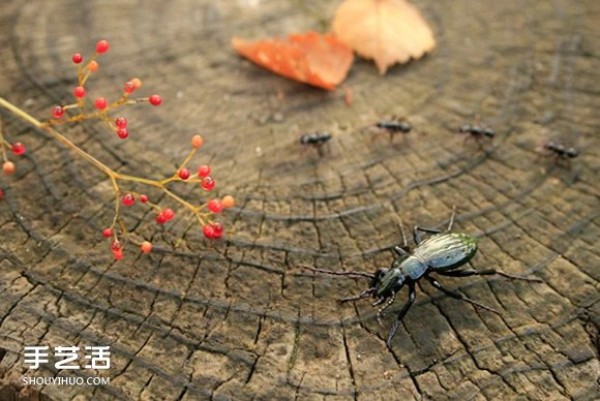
x,y
488,272
384,307
459,296
566,163
319,149
365,294
411,299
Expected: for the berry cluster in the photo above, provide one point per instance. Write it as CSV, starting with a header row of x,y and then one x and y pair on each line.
x,y
101,106
123,184
16,148
164,215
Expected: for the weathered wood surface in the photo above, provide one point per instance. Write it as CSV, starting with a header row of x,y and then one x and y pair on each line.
x,y
240,320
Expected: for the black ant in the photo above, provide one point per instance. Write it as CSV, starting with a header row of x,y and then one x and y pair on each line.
x,y
561,153
478,132
316,139
394,125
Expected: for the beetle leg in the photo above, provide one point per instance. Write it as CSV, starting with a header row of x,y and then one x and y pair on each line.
x,y
400,251
404,239
365,294
417,236
411,299
459,296
384,307
416,229
467,272
488,272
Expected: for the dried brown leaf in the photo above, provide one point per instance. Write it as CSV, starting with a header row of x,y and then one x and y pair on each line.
x,y
388,31
316,59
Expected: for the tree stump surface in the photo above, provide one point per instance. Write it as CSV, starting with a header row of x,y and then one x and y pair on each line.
x,y
241,319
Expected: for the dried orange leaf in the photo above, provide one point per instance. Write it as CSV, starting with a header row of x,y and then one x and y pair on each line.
x,y
312,58
388,31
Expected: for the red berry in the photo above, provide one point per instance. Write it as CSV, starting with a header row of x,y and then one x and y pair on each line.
x,y
155,100
77,58
102,46
217,230
116,245
118,254
8,167
146,247
215,205
203,171
207,183
184,173
129,87
143,198
121,122
123,133
197,141
209,231
128,199
107,232
1,194
79,92
160,218
18,149
136,83
100,103
58,112
169,214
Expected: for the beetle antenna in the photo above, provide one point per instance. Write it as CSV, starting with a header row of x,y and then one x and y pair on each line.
x,y
347,274
401,226
518,277
451,223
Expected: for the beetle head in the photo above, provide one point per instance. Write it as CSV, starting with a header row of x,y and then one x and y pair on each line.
x,y
379,274
390,283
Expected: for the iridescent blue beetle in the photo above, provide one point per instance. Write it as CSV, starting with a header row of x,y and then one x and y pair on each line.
x,y
442,253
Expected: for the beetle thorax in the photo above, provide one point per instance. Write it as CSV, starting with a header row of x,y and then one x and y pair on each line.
x,y
413,267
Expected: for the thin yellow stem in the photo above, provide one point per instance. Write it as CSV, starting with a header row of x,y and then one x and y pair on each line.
x,y
117,203
3,143
114,176
56,135
188,158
